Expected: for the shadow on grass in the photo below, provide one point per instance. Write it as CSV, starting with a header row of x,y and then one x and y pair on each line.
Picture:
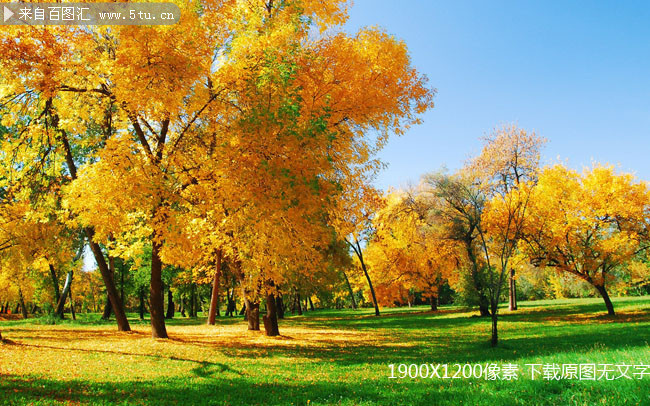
x,y
239,391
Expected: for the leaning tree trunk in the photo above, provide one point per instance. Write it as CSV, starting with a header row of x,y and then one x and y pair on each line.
x,y
347,282
66,291
118,306
365,271
608,302
156,302
72,311
252,314
271,317
311,305
513,291
214,300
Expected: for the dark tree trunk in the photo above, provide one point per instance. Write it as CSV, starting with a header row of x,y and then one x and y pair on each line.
x,y
279,306
170,304
55,284
23,308
347,282
271,317
108,309
118,306
365,271
243,310
141,297
299,304
214,300
66,291
72,311
193,310
252,314
156,301
183,314
311,305
495,336
513,291
483,306
608,302
434,303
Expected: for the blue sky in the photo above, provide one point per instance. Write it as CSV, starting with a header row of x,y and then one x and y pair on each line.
x,y
577,73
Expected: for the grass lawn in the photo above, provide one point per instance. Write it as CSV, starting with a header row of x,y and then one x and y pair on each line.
x,y
330,357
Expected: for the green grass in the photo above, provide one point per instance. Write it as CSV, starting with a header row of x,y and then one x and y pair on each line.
x,y
328,357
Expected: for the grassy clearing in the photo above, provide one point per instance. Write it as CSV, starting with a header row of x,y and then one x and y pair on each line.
x,y
327,357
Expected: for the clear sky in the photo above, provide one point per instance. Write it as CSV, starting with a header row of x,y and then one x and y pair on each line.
x,y
577,73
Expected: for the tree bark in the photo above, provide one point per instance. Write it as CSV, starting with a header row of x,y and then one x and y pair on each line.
x,y
299,304
118,306
23,308
513,291
311,305
279,306
170,304
608,302
108,309
365,271
271,317
55,284
156,302
495,336
347,282
66,291
141,297
72,311
111,291
252,314
434,303
214,300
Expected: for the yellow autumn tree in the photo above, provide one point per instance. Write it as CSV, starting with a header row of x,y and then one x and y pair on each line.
x,y
589,224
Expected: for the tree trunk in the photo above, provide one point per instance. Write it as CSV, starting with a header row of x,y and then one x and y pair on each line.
x,y
182,305
170,304
365,271
74,315
495,336
55,284
156,302
108,309
483,307
192,312
23,308
66,291
434,303
347,282
252,314
118,306
299,304
214,300
311,305
141,307
279,306
271,317
608,302
513,291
